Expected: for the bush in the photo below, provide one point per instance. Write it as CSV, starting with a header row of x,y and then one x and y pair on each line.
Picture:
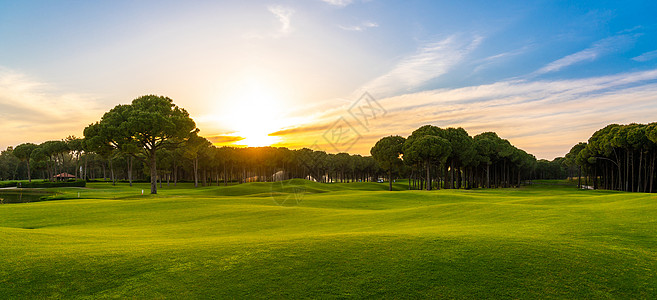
x,y
54,184
7,184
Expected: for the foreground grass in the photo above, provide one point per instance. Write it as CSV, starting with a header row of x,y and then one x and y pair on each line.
x,y
341,240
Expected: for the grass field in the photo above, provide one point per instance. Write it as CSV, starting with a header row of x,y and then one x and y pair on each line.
x,y
338,240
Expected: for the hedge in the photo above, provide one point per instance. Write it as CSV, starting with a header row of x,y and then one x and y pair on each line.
x,y
7,184
53,184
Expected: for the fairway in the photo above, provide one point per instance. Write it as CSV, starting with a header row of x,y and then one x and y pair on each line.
x,y
334,241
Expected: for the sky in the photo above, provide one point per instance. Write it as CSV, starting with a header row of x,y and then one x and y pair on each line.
x,y
333,75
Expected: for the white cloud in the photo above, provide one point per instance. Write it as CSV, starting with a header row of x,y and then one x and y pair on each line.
x,y
545,118
646,56
598,49
339,3
284,15
430,61
360,27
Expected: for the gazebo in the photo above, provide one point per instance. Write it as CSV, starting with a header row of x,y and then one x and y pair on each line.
x,y
64,176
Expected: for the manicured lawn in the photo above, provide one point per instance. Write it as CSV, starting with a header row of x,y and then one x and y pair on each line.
x,y
335,240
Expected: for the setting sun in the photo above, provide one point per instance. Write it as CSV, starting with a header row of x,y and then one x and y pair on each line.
x,y
253,110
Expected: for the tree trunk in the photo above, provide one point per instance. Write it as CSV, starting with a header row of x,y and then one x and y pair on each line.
x,y
451,175
130,158
390,180
638,180
652,171
645,173
612,180
29,175
54,167
104,172
606,175
153,165
504,175
627,170
632,171
175,173
487,176
458,177
195,165
77,162
109,161
428,177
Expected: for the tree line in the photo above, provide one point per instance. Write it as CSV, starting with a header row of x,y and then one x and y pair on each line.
x,y
433,157
618,157
154,140
160,141
196,160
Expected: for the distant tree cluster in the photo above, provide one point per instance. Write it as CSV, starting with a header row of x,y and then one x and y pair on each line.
x,y
162,142
195,160
558,168
450,158
154,140
618,157
45,160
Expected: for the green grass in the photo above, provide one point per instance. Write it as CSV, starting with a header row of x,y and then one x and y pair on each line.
x,y
341,240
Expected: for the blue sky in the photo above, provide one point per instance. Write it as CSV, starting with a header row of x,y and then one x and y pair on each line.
x,y
543,74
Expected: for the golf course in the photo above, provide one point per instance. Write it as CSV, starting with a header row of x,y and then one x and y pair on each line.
x,y
303,239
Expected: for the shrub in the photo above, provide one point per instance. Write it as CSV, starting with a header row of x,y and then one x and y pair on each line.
x,y
7,184
54,184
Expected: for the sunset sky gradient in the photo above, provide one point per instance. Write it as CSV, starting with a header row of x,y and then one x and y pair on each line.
x,y
543,74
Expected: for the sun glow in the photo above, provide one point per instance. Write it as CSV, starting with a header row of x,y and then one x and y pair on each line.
x,y
255,110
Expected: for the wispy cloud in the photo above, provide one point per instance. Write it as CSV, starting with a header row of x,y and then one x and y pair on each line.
x,y
339,3
284,15
300,130
224,139
546,118
499,58
360,27
33,111
429,61
646,56
598,49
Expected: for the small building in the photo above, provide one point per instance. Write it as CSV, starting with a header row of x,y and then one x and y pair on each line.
x,y
64,176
